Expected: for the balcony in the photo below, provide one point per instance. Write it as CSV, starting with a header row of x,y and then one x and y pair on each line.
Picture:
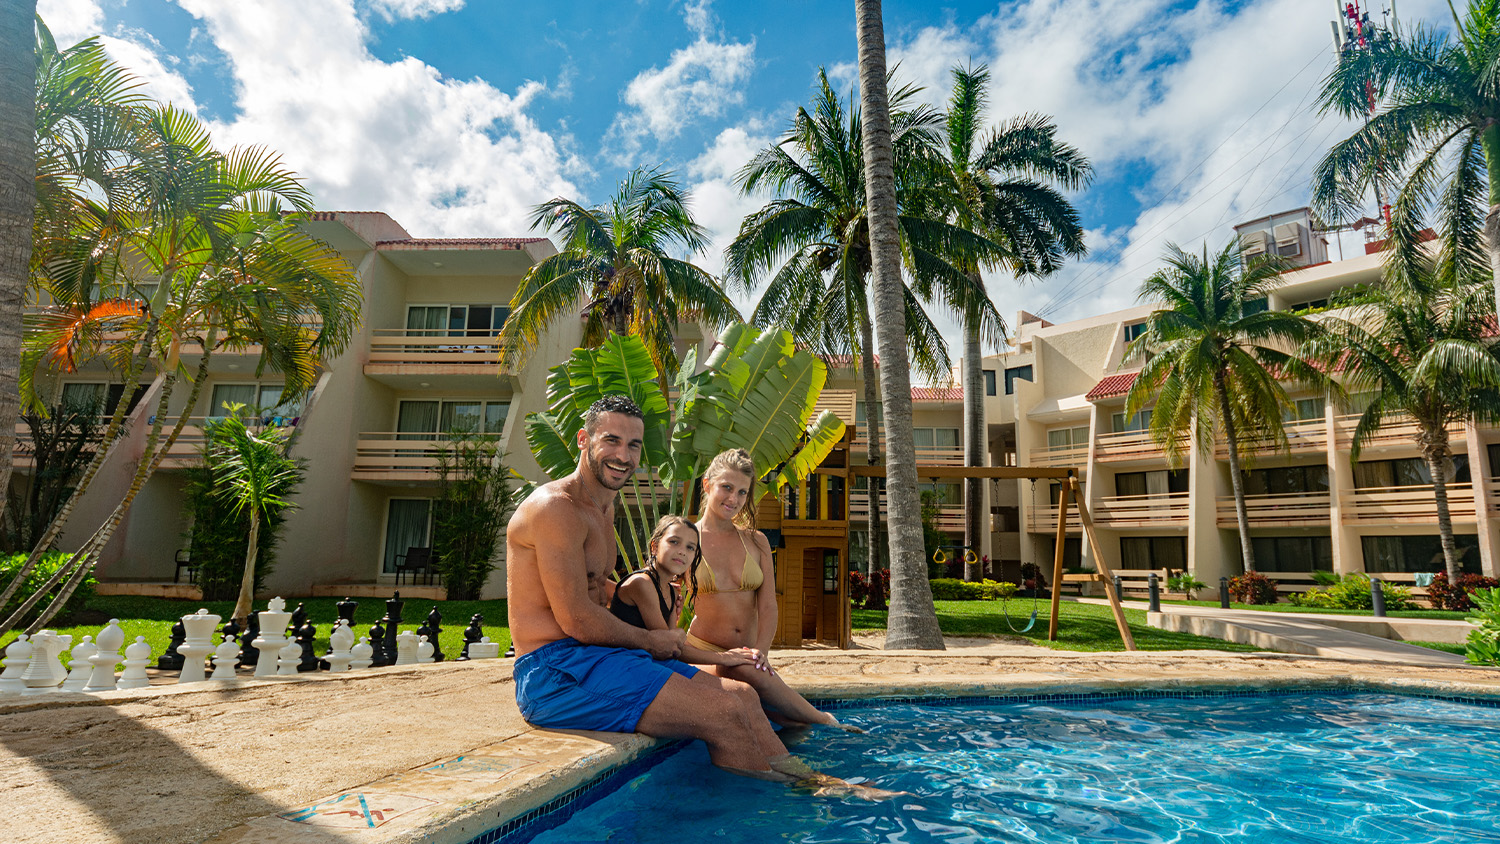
x,y
1127,446
1304,509
1129,511
398,457
1043,519
1399,431
1061,455
950,519
1407,505
940,456
404,357
1308,436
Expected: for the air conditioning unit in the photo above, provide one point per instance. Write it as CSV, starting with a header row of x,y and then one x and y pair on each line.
x,y
1255,244
1289,240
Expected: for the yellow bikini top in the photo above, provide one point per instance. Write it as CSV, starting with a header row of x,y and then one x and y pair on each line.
x,y
751,576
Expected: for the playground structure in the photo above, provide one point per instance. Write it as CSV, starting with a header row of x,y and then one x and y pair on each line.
x,y
809,526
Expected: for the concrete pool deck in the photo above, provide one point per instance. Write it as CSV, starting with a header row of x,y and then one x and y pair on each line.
x,y
438,753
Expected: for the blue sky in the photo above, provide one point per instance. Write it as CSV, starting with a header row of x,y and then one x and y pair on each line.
x,y
456,116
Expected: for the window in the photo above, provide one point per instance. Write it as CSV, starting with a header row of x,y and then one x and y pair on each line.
x,y
989,383
1015,372
1308,306
456,320
1059,439
408,525
1153,552
830,572
935,438
98,394
1293,553
1494,451
423,420
1290,480
1134,330
1151,483
1412,471
1255,306
262,400
1139,422
1305,409
1417,553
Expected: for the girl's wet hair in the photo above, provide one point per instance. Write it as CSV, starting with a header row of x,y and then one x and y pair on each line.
x,y
735,460
664,525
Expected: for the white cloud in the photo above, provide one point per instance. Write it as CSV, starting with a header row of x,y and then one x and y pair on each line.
x,y
442,156
700,81
406,9
716,202
71,21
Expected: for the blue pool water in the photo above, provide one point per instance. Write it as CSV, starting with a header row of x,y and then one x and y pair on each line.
x,y
1348,768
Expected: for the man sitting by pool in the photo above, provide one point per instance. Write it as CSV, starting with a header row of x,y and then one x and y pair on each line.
x,y
578,666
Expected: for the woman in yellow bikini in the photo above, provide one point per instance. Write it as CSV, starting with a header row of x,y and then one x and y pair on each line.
x,y
735,588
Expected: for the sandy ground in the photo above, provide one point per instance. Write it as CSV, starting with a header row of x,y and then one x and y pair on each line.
x,y
183,764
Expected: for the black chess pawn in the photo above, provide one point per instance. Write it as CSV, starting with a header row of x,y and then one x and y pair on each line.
x,y
377,641
346,610
305,636
172,660
387,647
434,632
249,655
510,651
473,633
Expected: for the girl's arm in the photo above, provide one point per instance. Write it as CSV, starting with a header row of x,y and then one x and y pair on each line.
x,y
765,600
642,593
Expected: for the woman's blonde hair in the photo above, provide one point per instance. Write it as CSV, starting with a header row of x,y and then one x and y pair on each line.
x,y
735,460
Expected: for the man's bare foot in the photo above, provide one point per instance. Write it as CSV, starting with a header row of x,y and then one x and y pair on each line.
x,y
823,785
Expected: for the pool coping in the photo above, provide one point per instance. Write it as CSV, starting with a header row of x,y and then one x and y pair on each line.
x,y
538,771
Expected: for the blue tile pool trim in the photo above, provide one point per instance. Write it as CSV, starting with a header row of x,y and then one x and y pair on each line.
x,y
551,814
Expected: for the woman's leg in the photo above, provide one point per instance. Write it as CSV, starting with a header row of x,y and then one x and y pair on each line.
x,y
777,694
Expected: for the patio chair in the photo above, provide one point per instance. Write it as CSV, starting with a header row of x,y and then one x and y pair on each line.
x,y
184,561
416,562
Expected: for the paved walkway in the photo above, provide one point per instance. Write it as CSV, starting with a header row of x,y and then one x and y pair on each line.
x,y
1314,634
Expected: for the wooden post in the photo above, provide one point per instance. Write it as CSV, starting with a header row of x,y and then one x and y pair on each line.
x,y
1057,560
1101,567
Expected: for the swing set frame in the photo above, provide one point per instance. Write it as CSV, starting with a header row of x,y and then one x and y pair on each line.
x,y
1072,493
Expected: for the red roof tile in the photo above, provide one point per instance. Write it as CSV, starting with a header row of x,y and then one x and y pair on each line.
x,y
458,243
1111,386
937,394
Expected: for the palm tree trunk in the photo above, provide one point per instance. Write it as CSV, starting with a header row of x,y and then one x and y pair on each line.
x,y
974,444
17,207
1241,513
242,604
912,621
1435,450
872,435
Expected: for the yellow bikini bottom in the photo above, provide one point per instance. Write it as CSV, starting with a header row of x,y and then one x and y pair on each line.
x,y
703,645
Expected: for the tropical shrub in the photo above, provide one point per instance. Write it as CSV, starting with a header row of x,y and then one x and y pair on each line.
x,y
1185,583
756,392
999,590
1032,577
1352,592
474,502
1483,645
953,589
1252,588
38,577
870,592
1445,597
62,443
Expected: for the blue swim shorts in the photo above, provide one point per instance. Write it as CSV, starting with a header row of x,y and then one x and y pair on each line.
x,y
568,685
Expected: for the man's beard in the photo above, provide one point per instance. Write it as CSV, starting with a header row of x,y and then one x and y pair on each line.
x,y
599,470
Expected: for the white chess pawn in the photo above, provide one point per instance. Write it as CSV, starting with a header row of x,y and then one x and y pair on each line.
x,y
197,644
80,665
137,657
272,637
104,661
363,654
406,648
224,658
17,659
425,650
290,656
339,643
39,677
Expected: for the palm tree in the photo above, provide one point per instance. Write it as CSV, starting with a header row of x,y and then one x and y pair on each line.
x,y
814,240
254,476
912,619
1422,348
1440,114
620,258
1213,363
1004,185
17,207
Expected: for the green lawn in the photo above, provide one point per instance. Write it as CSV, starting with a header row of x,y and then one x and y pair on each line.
x,y
153,618
1285,607
1080,627
1441,646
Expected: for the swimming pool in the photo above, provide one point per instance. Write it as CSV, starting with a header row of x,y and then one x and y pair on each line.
x,y
1302,767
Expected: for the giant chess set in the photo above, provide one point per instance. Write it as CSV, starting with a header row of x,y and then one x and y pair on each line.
x,y
275,643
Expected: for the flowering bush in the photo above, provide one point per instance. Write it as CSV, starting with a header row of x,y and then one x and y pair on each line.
x,y
1446,597
1252,588
870,592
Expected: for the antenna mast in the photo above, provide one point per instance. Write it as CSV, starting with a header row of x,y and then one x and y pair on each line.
x,y
1354,32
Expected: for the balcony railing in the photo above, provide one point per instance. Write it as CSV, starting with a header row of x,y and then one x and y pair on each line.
x,y
1119,511
1278,510
1407,505
1303,437
403,347
400,456
1043,519
1127,445
948,519
943,456
1060,455
1398,430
